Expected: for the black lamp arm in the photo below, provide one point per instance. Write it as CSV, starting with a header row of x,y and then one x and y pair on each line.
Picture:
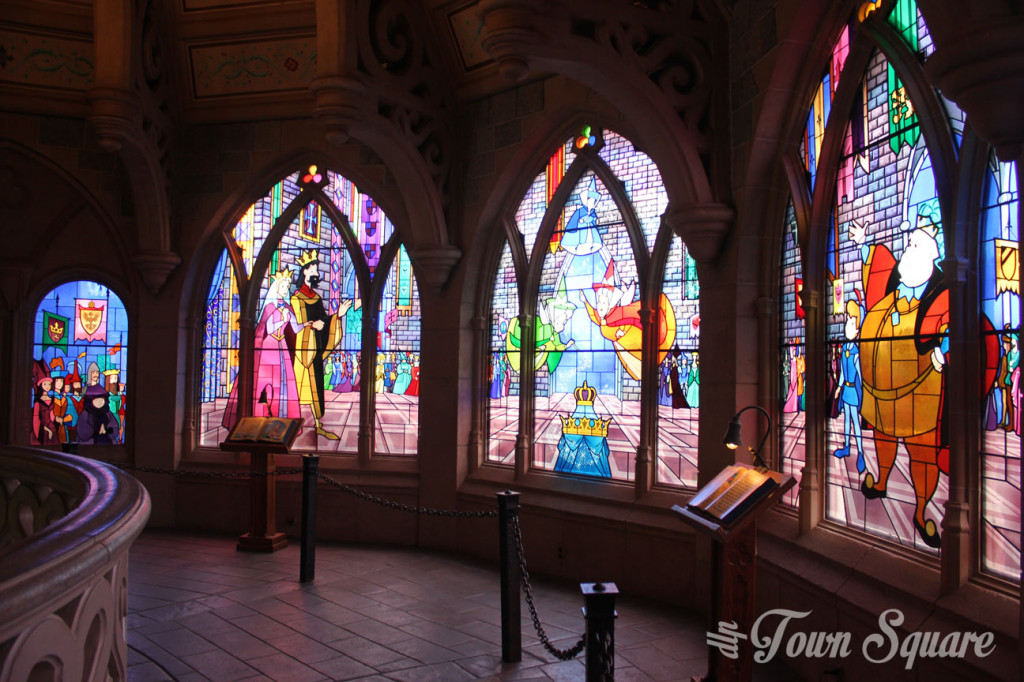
x,y
758,461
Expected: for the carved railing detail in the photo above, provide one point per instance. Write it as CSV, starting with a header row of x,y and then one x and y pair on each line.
x,y
68,524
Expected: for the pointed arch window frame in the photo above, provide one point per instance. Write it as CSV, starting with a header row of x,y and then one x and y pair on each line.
x,y
248,284
954,164
650,266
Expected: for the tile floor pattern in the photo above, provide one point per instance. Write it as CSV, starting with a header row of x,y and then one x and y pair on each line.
x,y
199,610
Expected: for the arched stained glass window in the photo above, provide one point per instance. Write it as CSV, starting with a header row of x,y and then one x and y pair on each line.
x,y
503,365
885,305
583,424
311,278
888,322
792,363
1001,418
79,366
679,371
587,355
397,370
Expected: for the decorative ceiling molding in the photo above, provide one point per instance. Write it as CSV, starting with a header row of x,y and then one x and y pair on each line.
x,y
253,67
46,61
466,26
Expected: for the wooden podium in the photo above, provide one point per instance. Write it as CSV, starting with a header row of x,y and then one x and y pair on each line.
x,y
734,573
262,438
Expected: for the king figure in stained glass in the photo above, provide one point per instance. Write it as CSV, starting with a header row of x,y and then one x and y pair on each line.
x,y
903,354
320,333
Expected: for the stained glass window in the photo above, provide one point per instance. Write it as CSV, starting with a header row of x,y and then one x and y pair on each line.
x,y
220,351
792,361
589,336
397,370
587,354
1000,343
679,372
79,366
503,365
888,322
308,317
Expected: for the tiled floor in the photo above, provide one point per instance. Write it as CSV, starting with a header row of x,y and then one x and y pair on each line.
x,y
199,610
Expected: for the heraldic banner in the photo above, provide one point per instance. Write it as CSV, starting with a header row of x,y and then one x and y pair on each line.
x,y
55,332
90,319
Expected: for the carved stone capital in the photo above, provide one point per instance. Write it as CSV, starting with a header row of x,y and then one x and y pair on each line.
x,y
702,227
979,68
156,267
435,264
340,103
114,116
508,30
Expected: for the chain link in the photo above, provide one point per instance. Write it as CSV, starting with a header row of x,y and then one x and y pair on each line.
x,y
391,504
560,654
209,474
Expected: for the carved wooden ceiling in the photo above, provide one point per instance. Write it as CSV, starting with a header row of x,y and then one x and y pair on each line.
x,y
223,59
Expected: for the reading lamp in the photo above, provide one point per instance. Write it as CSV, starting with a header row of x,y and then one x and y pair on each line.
x,y
733,438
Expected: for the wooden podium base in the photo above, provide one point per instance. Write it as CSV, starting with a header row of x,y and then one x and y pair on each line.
x,y
262,543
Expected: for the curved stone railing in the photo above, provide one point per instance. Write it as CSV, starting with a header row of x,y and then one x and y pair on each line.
x,y
66,525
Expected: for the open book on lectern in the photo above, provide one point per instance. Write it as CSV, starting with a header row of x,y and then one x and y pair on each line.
x,y
264,430
732,492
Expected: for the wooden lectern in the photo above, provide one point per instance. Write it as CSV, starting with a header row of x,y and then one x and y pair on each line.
x,y
262,438
733,569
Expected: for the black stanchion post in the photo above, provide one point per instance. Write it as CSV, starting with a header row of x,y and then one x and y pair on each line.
x,y
511,578
599,612
307,553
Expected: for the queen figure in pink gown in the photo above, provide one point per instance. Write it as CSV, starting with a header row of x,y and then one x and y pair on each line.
x,y
275,391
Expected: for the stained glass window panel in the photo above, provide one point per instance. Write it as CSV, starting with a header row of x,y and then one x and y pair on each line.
x,y
641,180
821,106
321,286
587,418
679,373
792,363
252,229
220,353
887,319
366,220
1000,343
397,369
79,366
531,209
503,365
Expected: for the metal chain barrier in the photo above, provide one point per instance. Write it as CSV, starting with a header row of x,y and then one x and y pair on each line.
x,y
391,504
560,654
208,474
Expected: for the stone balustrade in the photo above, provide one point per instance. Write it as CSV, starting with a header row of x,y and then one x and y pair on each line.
x,y
66,525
